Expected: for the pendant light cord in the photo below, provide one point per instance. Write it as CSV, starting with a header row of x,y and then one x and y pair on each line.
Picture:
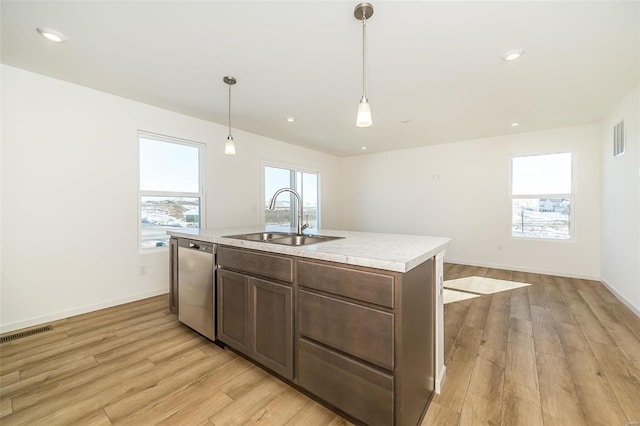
x,y
364,50
229,109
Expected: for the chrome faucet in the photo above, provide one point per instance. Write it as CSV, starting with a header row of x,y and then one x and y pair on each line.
x,y
298,207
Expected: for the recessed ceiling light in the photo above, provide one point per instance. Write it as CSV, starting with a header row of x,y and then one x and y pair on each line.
x,y
515,124
363,148
291,119
405,121
52,35
512,55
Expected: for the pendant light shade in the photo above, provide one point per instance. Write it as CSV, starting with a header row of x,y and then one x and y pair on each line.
x,y
363,119
229,146
362,12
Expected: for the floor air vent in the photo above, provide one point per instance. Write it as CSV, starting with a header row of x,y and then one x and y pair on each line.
x,y
27,333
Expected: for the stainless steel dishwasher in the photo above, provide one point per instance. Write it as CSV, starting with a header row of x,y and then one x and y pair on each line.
x,y
196,286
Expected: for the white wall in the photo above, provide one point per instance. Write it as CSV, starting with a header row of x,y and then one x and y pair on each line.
x,y
621,203
69,180
461,190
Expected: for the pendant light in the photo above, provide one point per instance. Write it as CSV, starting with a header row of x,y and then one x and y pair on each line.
x,y
362,12
229,146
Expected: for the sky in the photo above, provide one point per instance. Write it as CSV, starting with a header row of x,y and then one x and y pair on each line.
x,y
542,174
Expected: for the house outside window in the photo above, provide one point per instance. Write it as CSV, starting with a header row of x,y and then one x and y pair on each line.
x,y
542,196
306,183
171,192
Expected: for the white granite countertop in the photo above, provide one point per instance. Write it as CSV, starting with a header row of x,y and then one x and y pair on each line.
x,y
392,252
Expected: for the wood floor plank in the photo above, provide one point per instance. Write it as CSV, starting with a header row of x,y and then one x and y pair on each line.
x,y
191,404
623,379
483,401
6,407
545,335
454,317
164,385
520,307
240,410
459,363
537,294
48,376
197,411
440,415
558,396
499,274
34,342
478,311
521,405
625,339
597,399
520,365
280,410
27,412
314,414
559,351
9,379
18,361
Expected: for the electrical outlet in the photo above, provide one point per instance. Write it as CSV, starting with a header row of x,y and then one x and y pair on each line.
x,y
499,247
142,269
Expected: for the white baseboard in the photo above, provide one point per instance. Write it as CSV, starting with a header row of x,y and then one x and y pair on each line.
x,y
522,269
621,298
17,325
440,378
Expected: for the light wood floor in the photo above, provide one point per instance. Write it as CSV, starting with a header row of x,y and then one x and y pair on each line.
x,y
561,351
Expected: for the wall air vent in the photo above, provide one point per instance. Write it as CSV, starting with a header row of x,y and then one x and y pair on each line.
x,y
618,139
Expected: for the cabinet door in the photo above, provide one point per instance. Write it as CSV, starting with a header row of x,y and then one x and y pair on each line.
x,y
173,275
233,310
272,331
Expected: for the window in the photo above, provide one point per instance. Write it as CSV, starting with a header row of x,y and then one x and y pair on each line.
x,y
171,187
305,183
541,196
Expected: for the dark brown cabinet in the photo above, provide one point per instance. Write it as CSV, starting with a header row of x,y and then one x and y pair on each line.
x,y
271,324
361,331
173,275
233,310
359,390
255,315
365,339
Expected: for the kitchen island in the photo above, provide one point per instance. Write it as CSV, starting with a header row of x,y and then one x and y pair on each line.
x,y
351,321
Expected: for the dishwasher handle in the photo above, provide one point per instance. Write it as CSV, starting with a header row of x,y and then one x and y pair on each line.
x,y
195,245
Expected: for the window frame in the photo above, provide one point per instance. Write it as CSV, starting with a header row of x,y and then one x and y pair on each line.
x,y
296,169
570,196
142,134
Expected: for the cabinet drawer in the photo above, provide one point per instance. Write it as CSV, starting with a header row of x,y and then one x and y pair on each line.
x,y
365,286
357,330
266,265
355,388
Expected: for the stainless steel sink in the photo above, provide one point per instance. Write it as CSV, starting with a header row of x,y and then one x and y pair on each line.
x,y
301,240
283,238
260,236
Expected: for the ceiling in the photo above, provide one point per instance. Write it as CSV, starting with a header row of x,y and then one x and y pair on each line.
x,y
435,72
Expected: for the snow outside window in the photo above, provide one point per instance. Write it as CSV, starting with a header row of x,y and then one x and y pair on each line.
x,y
541,196
307,184
171,192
